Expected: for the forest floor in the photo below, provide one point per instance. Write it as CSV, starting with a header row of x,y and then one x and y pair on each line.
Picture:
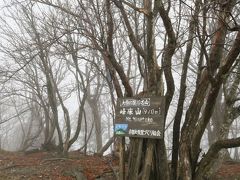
x,y
49,166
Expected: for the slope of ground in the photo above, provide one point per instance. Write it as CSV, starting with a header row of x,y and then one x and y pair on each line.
x,y
43,165
49,166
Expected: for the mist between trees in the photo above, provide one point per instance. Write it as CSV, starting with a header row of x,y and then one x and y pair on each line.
x,y
64,63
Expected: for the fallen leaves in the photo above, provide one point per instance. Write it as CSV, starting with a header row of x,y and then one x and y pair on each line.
x,y
44,165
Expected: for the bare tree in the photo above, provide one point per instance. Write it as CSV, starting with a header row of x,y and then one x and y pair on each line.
x,y
197,42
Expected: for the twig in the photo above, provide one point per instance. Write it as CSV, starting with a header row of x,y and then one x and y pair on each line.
x,y
11,166
56,159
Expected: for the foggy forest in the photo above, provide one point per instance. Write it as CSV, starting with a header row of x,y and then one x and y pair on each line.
x,y
65,63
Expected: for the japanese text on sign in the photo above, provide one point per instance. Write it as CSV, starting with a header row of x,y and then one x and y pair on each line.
x,y
135,102
139,111
140,117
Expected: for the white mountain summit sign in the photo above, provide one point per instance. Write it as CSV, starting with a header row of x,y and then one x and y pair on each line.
x,y
140,117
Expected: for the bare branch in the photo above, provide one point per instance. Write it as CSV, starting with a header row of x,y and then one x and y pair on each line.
x,y
140,10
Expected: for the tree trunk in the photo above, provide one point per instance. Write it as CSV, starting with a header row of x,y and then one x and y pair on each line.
x,y
97,122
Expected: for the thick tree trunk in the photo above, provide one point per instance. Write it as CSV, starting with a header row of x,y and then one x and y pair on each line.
x,y
162,168
135,157
181,100
97,122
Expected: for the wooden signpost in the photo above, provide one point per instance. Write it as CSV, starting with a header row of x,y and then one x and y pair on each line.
x,y
138,117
